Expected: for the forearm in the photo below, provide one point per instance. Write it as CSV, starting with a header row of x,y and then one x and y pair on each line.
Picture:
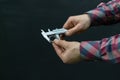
x,y
105,13
107,49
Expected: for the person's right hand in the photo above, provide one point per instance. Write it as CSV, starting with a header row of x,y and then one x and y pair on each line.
x,y
77,24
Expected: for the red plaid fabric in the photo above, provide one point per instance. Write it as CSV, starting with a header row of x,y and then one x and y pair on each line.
x,y
107,49
105,13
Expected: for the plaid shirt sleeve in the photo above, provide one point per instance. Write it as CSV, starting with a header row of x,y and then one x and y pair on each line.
x,y
107,49
105,13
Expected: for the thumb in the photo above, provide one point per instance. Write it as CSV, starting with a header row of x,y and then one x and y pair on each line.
x,y
61,43
73,30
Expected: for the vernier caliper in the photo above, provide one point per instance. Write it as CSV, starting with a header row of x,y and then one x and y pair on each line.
x,y
53,34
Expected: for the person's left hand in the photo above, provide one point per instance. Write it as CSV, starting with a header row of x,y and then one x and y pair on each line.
x,y
69,52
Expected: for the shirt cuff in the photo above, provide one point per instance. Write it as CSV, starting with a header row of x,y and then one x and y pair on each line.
x,y
96,16
89,50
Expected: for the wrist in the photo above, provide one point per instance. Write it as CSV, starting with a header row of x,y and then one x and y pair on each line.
x,y
88,19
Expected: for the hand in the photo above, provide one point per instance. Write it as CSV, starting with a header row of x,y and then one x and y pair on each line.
x,y
77,24
69,52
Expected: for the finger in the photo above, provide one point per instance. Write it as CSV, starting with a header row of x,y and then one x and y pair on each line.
x,y
58,50
62,43
68,24
73,30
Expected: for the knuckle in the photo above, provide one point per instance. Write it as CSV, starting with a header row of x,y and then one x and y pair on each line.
x,y
71,17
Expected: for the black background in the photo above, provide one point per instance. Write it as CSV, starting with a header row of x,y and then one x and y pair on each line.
x,y
26,55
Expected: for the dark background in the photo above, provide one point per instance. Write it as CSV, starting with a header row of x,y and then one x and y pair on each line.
x,y
26,55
